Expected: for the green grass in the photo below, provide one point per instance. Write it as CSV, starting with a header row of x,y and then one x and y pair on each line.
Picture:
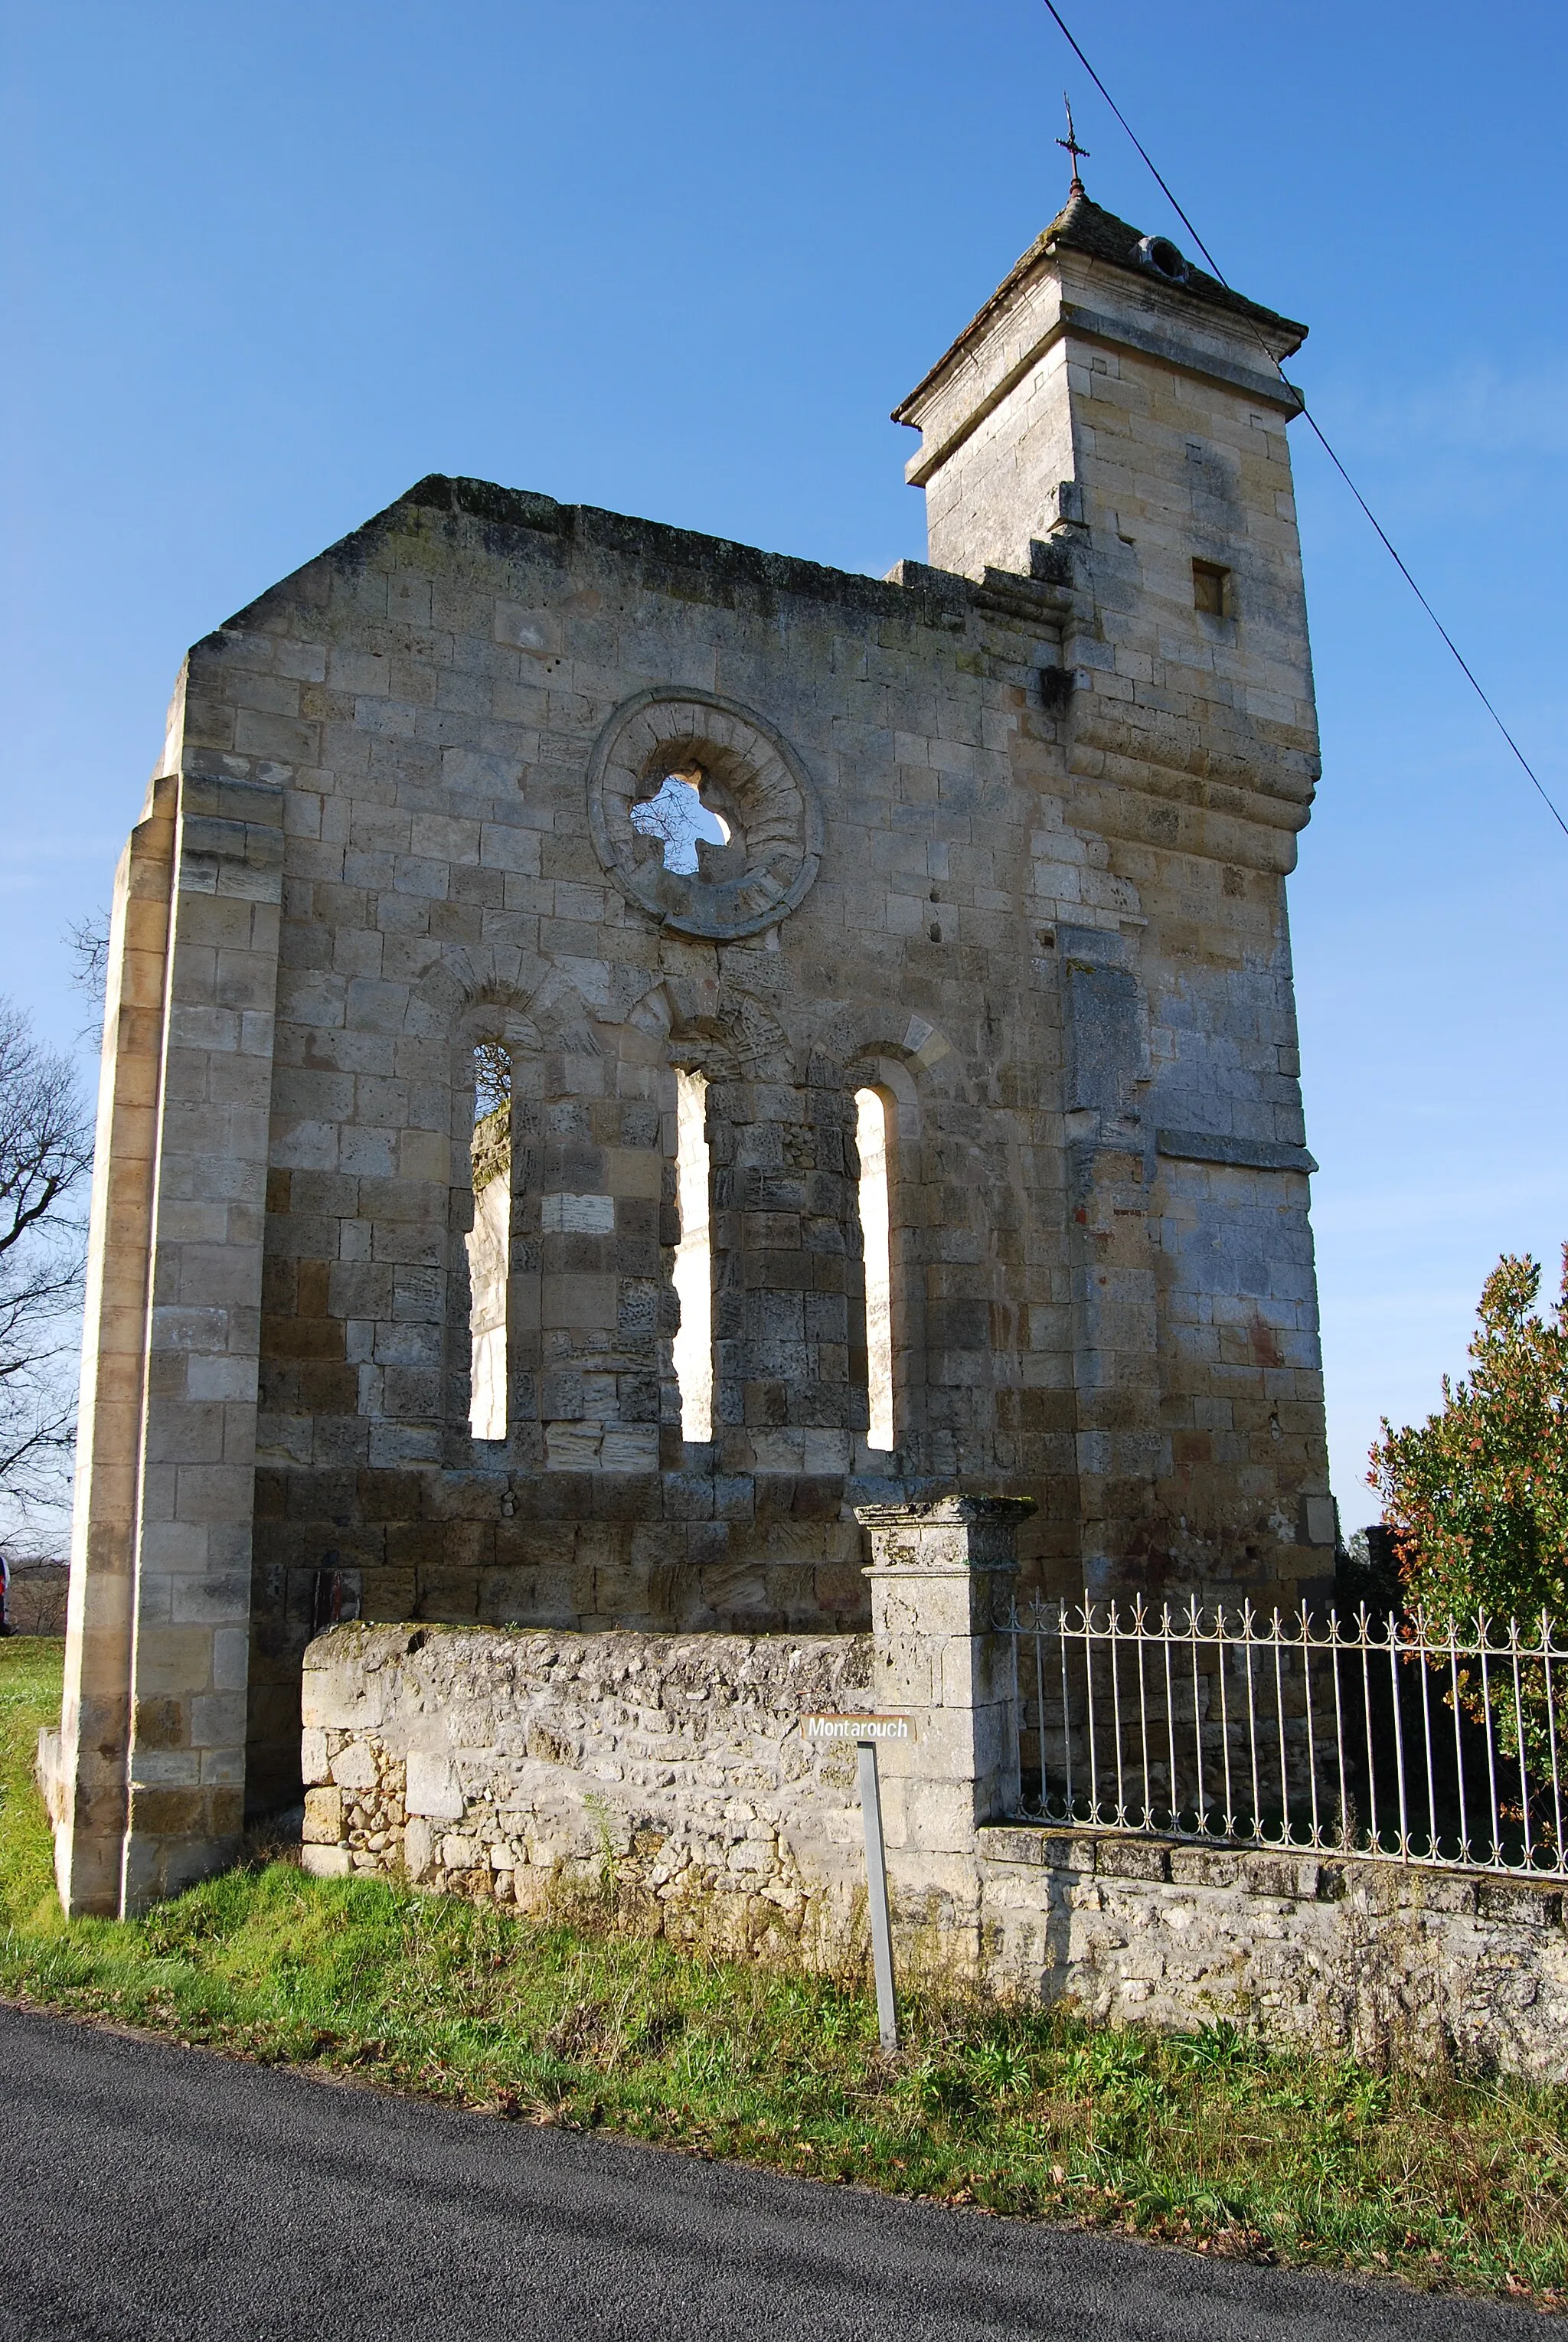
x,y
1204,2139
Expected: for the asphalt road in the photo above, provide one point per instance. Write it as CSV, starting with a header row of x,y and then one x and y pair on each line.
x,y
173,2195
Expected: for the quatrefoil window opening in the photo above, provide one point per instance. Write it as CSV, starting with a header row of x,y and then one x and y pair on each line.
x,y
675,812
664,755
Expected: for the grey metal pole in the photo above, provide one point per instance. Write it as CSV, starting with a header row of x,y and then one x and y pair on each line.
x,y
876,1896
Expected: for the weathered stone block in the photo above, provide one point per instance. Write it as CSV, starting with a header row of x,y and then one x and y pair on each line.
x,y
999,1842
1116,1857
1531,1907
353,1767
323,1817
325,1861
1279,1874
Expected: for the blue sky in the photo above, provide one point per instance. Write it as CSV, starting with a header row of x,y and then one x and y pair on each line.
x,y
265,267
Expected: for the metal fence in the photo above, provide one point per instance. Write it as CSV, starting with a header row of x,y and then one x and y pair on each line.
x,y
1387,1739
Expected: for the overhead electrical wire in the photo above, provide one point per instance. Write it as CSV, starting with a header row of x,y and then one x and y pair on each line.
x,y
1314,425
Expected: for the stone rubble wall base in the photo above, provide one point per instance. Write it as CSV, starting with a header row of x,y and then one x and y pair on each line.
x,y
1333,1953
504,1763
500,1763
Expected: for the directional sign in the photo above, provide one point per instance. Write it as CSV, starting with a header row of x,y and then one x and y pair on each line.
x,y
858,1727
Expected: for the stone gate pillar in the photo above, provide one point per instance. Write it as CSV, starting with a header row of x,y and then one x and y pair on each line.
x,y
942,1574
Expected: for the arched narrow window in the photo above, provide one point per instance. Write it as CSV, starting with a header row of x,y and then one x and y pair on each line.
x,y
694,1273
489,1241
871,1143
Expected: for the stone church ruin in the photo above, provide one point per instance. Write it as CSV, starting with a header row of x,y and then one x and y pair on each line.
x,y
620,1048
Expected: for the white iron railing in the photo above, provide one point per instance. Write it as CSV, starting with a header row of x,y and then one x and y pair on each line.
x,y
1382,1737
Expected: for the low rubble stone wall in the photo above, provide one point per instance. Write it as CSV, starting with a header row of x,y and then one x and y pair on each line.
x,y
496,1762
1376,1957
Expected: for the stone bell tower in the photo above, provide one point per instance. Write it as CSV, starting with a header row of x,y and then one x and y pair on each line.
x,y
1112,424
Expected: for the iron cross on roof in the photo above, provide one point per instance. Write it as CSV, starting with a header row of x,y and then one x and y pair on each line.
x,y
1070,143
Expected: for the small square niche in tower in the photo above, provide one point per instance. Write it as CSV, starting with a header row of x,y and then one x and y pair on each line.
x,y
1212,589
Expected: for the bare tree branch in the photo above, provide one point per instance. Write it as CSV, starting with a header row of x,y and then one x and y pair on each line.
x,y
46,1155
46,1138
88,941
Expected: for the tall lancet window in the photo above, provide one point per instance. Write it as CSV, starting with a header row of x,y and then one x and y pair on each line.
x,y
871,1143
489,1241
694,1270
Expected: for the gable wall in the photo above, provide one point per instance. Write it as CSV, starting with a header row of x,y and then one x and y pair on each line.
x,y
428,700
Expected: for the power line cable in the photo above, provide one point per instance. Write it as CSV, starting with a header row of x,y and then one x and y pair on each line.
x,y
1312,423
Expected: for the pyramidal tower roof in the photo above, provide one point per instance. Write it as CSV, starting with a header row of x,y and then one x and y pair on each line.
x,y
1085,226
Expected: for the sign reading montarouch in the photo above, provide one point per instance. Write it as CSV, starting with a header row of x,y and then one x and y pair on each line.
x,y
857,1727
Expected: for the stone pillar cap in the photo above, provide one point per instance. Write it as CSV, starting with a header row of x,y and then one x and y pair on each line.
x,y
939,1510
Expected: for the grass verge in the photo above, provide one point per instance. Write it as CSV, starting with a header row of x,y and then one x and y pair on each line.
x,y
1202,2140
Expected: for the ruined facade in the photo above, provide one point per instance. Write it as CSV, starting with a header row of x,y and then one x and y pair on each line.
x,y
650,830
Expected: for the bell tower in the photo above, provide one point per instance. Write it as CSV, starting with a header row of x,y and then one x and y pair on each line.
x,y
1112,425
1076,398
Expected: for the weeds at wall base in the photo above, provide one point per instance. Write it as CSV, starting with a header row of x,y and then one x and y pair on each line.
x,y
578,2016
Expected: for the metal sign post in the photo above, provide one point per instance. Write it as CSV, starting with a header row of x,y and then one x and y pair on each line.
x,y
867,1731
876,1896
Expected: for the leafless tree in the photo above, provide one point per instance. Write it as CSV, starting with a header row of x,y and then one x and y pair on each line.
x,y
87,940
492,1078
46,1155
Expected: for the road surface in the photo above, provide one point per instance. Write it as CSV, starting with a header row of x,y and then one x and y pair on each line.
x,y
168,2195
